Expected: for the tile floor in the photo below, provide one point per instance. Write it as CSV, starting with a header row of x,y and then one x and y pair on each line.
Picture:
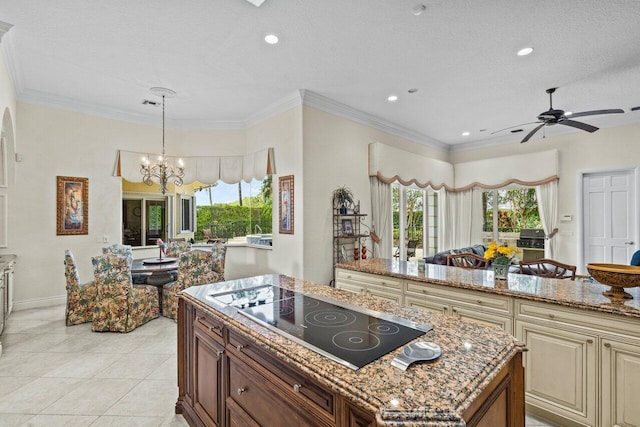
x,y
52,375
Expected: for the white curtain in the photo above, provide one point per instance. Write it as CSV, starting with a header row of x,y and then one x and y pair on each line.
x,y
547,195
381,217
462,219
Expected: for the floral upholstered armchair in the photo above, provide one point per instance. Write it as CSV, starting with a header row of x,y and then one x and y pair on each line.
x,y
174,249
218,255
81,298
195,268
127,252
120,306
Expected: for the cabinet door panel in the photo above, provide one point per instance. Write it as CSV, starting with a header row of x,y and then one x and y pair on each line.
x,y
436,307
207,366
560,371
502,322
620,384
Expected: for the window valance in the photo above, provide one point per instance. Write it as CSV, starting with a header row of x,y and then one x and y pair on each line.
x,y
204,169
390,164
530,169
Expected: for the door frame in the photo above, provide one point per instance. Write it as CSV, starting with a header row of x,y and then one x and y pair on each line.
x,y
580,211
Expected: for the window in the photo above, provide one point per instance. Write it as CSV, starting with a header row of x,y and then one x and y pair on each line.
x,y
516,208
415,211
144,220
187,213
228,211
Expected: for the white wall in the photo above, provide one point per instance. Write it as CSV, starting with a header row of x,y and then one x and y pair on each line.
x,y
579,151
336,153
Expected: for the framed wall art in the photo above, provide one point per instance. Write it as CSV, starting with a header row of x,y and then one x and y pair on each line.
x,y
285,186
72,207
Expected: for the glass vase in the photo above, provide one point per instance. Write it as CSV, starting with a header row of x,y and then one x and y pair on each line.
x,y
501,271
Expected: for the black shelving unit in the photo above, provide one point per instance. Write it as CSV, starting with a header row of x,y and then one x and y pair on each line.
x,y
348,237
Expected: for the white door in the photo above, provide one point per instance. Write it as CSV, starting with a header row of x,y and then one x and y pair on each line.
x,y
609,216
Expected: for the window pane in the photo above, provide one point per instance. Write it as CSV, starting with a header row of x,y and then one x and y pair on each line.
x,y
432,223
132,222
156,220
395,205
414,212
227,211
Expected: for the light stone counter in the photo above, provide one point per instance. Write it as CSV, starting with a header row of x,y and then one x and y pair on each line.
x,y
582,294
427,394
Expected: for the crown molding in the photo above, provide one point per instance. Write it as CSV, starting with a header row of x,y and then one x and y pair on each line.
x,y
290,101
320,102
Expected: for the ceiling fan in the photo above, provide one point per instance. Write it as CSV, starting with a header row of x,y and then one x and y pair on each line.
x,y
552,117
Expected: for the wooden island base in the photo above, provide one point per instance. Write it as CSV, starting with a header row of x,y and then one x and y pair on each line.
x,y
224,379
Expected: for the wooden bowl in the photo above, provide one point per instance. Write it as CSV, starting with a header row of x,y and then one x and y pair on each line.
x,y
618,276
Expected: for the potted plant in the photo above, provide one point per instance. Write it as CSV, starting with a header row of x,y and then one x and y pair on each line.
x,y
342,199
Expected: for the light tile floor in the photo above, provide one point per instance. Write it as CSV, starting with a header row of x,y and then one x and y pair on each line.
x,y
53,375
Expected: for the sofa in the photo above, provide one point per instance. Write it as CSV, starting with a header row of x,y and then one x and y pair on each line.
x,y
441,257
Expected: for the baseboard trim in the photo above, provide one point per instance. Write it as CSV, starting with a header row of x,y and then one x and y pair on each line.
x,y
39,302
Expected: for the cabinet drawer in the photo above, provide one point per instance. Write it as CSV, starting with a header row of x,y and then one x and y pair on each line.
x,y
297,385
590,320
210,325
372,279
479,300
263,401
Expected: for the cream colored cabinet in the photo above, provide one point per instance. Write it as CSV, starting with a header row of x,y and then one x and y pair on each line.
x,y
620,383
387,288
480,307
560,370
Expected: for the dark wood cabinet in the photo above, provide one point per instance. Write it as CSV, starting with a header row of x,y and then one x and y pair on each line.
x,y
226,379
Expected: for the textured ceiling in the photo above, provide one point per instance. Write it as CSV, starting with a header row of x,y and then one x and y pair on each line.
x,y
461,55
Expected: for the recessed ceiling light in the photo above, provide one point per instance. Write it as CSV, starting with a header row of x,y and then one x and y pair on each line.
x,y
392,98
271,38
525,51
466,133
413,90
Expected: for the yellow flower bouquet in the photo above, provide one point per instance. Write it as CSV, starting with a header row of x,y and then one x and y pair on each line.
x,y
501,255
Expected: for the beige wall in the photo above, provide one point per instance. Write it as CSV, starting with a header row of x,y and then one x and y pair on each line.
x,y
335,153
607,148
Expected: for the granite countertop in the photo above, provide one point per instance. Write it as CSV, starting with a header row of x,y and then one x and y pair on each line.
x,y
427,394
581,293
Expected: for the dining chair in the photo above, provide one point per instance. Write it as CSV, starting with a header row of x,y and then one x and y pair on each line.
x,y
81,297
175,248
467,260
218,255
121,306
126,251
548,268
195,268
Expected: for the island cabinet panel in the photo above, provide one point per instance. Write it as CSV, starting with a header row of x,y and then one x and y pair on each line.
x,y
208,380
386,288
355,417
620,383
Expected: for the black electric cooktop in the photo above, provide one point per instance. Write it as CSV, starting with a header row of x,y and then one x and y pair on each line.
x,y
351,336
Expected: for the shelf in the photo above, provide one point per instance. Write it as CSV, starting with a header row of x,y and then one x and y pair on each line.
x,y
350,236
350,214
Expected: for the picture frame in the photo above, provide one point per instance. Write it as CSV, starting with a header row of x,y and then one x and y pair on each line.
x,y
72,205
347,227
286,210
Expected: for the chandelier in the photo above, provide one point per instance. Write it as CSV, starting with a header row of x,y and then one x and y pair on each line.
x,y
162,171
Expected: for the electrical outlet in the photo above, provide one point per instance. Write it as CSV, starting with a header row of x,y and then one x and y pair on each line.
x,y
105,239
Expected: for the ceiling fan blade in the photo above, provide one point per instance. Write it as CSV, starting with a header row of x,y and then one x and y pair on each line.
x,y
578,125
594,112
530,134
510,127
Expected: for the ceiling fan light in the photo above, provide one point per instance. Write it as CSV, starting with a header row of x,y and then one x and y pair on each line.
x,y
568,113
466,133
392,98
525,51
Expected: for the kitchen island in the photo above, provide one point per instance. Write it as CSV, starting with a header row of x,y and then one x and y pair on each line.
x,y
233,370
582,367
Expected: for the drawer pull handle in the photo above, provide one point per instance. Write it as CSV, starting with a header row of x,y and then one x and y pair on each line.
x,y
240,391
214,328
607,345
589,341
219,353
297,387
479,301
239,347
